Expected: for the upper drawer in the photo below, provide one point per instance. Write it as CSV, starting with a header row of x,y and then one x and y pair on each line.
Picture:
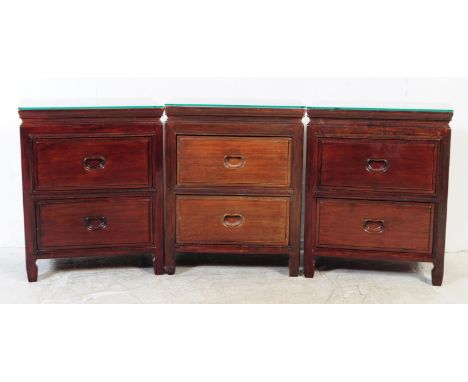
x,y
221,161
84,163
379,164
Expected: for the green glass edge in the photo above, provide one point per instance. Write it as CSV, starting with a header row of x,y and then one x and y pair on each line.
x,y
87,107
379,109
235,106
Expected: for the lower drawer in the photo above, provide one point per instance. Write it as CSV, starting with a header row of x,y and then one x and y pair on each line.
x,y
86,222
392,226
232,220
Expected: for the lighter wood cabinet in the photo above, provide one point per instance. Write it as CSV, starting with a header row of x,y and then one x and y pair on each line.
x,y
233,181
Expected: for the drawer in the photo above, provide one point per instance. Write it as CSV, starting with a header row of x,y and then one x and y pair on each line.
x,y
90,222
229,161
379,164
393,226
232,220
87,163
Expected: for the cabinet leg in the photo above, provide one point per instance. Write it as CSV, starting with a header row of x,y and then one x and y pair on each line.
x,y
170,270
169,261
31,269
294,259
158,263
309,265
438,271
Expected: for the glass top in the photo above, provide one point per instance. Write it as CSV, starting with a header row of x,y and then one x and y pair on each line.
x,y
235,106
380,109
145,104
87,107
90,103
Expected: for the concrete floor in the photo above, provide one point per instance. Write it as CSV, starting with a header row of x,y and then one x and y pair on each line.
x,y
212,279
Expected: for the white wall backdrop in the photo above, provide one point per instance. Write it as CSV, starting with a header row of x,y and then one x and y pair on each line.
x,y
371,92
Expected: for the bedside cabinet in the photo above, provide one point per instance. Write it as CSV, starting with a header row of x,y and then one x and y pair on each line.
x,y
376,185
92,183
233,181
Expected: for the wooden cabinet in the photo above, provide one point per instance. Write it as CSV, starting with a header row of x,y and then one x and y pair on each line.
x,y
376,186
233,181
92,183
376,183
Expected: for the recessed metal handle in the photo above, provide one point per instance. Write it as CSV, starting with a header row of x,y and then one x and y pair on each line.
x,y
233,220
373,225
234,161
95,223
376,165
94,163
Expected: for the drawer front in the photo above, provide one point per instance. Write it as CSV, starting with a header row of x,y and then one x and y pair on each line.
x,y
84,163
221,161
394,226
379,164
232,220
94,222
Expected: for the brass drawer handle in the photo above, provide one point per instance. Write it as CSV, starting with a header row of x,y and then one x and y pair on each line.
x,y
233,220
95,223
234,161
373,225
376,165
94,163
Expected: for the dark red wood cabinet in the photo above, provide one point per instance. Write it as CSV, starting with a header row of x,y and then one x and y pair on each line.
x,y
92,183
233,181
376,186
